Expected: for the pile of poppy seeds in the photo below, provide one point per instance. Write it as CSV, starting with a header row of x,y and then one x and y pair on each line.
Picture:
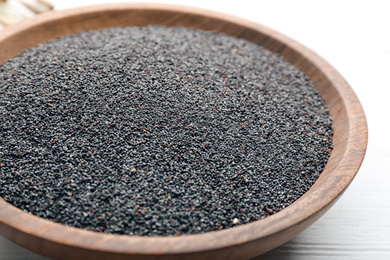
x,y
157,131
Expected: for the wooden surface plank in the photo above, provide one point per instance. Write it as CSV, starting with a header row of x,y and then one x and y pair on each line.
x,y
358,226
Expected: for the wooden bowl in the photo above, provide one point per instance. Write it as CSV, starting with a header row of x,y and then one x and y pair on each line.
x,y
350,140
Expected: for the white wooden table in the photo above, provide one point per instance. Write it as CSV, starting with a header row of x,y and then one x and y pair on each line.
x,y
354,36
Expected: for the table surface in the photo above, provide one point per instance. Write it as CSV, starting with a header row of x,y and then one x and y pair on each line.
x,y
353,36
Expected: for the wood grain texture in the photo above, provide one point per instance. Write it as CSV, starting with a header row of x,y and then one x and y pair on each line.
x,y
350,139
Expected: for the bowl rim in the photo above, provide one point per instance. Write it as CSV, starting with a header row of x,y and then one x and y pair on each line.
x,y
14,220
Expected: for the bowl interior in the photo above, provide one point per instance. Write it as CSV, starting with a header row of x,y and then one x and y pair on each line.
x,y
350,138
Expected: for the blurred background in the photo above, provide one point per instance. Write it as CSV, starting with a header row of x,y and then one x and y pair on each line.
x,y
353,36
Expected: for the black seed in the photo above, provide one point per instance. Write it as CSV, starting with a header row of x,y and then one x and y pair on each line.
x,y
157,131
